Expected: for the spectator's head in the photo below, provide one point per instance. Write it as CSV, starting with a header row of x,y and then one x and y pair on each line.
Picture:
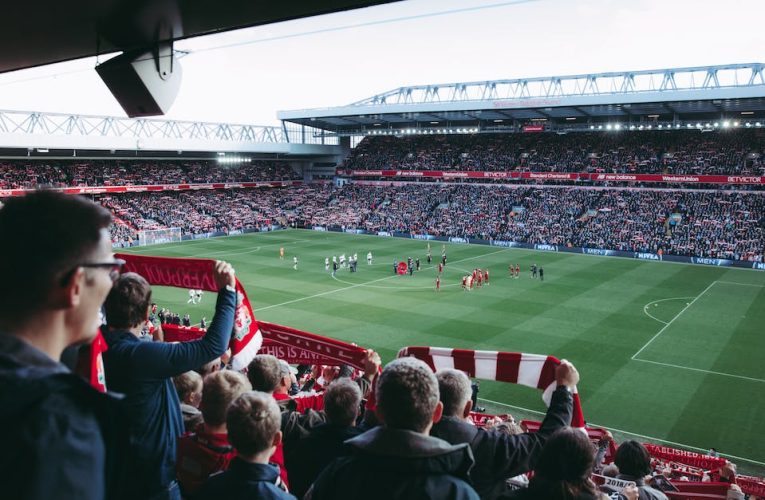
x,y
220,389
55,259
285,378
253,421
455,392
189,388
342,401
264,373
407,396
633,459
564,466
127,305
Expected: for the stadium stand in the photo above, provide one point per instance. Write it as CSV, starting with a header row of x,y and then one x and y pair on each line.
x,y
715,224
676,152
59,173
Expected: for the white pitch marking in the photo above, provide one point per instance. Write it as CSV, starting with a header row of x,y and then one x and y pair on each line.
x,y
742,284
672,320
645,307
711,372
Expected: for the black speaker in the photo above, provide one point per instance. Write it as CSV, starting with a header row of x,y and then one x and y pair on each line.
x,y
144,82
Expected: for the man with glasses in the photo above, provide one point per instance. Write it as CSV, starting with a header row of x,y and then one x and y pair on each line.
x,y
143,371
56,269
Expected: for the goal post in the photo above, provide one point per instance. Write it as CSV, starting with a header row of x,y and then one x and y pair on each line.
x,y
159,236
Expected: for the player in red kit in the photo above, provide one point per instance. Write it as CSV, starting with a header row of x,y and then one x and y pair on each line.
x,y
486,277
517,270
464,282
440,268
479,277
438,283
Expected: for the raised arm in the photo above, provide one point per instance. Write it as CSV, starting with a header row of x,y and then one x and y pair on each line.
x,y
161,360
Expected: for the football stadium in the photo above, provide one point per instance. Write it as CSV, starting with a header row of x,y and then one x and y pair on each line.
x,y
533,287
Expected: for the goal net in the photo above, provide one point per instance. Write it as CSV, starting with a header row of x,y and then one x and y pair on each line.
x,y
159,236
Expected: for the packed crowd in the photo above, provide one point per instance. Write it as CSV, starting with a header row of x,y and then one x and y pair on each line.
x,y
196,212
69,173
188,425
678,152
729,225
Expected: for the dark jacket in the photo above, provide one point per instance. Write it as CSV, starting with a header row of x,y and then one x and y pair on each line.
x,y
296,425
645,492
306,458
499,456
244,481
143,371
61,437
397,464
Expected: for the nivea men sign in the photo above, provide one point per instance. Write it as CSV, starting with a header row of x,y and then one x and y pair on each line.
x,y
457,239
596,251
506,244
647,256
546,248
710,261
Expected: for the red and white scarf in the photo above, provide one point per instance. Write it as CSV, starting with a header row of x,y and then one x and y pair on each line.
x,y
292,345
197,274
532,370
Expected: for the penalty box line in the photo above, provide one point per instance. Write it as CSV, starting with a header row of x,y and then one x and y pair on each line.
x,y
634,356
701,370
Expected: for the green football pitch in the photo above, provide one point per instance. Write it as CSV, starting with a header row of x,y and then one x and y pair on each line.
x,y
672,353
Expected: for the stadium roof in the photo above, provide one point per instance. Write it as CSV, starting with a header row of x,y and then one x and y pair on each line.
x,y
677,95
49,31
35,134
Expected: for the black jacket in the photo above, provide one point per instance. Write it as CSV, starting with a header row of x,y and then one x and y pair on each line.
x,y
397,464
499,456
244,481
306,458
61,438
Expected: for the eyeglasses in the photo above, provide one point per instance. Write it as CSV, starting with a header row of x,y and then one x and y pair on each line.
x,y
114,267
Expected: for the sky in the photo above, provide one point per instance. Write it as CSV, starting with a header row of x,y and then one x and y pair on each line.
x,y
248,75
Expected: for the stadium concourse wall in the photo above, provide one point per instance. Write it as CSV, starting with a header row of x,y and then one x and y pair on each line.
x,y
555,248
